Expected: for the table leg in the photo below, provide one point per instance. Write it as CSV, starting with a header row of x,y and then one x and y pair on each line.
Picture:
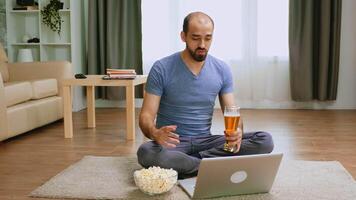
x,y
91,106
67,110
130,112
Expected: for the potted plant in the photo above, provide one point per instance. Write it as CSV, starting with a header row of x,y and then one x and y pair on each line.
x,y
51,17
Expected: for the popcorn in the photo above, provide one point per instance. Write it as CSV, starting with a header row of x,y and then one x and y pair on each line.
x,y
155,180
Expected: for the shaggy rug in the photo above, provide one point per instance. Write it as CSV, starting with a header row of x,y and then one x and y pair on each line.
x,y
112,178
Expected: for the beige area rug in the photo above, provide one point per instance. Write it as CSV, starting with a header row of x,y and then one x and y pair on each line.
x,y
112,178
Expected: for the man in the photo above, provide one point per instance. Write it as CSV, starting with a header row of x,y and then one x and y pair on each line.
x,y
181,90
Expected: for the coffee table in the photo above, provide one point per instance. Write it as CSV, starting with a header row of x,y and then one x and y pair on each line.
x,y
96,80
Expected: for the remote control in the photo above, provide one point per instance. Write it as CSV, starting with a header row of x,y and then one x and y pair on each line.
x,y
80,76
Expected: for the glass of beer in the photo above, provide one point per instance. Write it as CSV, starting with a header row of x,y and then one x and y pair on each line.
x,y
231,118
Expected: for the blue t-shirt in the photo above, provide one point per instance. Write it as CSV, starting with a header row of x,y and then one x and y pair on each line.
x,y
188,100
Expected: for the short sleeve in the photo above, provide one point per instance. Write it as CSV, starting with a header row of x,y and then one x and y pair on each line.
x,y
155,81
227,86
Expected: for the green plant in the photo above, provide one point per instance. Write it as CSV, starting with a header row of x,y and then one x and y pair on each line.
x,y
51,16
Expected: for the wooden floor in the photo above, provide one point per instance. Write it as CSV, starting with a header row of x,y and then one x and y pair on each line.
x,y
29,160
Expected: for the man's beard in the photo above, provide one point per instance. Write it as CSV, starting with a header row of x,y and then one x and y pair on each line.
x,y
197,57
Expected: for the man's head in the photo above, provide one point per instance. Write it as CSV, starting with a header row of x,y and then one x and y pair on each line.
x,y
197,33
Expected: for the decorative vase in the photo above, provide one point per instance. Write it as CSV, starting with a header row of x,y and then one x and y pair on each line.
x,y
24,55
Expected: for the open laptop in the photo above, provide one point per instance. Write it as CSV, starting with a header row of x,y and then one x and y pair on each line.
x,y
227,176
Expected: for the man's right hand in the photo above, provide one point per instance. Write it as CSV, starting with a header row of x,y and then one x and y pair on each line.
x,y
165,136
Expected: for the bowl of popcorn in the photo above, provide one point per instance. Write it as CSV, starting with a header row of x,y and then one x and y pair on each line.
x,y
155,180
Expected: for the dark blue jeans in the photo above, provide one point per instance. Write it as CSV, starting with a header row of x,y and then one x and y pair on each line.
x,y
185,157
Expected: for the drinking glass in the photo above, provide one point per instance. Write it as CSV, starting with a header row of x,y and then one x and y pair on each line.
x,y
231,118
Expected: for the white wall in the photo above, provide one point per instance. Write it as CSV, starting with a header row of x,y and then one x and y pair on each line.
x,y
347,74
78,54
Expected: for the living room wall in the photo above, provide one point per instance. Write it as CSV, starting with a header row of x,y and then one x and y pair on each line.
x,y
3,24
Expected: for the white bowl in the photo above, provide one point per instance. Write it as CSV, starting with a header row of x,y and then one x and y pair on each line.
x,y
155,180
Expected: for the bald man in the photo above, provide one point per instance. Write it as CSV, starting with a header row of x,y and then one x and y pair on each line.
x,y
178,106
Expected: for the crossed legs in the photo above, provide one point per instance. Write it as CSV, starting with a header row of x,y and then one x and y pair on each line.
x,y
186,156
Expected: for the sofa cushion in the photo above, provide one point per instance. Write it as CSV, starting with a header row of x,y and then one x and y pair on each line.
x,y
31,114
4,71
44,88
17,92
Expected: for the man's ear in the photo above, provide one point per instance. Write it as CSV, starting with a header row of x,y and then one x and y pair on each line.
x,y
183,36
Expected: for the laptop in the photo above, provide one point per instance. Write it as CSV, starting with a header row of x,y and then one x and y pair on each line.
x,y
236,175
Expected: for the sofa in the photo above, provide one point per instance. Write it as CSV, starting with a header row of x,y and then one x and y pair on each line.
x,y
30,94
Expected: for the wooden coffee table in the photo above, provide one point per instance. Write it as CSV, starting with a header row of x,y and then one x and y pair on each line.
x,y
96,80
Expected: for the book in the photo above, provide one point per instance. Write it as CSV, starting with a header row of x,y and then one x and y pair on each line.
x,y
120,71
122,75
113,77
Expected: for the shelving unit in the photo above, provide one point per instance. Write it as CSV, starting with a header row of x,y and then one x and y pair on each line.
x,y
69,46
29,22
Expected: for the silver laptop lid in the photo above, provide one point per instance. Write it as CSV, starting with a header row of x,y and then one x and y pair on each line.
x,y
225,176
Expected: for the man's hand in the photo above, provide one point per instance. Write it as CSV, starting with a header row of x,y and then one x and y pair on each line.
x,y
234,138
165,136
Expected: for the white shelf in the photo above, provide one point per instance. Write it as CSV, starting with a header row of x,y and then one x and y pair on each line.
x,y
37,44
25,44
37,11
65,11
57,44
24,11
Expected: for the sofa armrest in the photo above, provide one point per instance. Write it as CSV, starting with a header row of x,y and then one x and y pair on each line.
x,y
3,113
41,70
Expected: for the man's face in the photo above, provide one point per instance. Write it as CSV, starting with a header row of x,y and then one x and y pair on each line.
x,y
198,39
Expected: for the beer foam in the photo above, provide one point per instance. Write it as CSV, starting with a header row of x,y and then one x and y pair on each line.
x,y
231,115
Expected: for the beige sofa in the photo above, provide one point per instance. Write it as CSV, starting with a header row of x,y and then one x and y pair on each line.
x,y
30,94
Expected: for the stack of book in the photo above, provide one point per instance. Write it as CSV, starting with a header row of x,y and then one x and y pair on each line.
x,y
121,73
